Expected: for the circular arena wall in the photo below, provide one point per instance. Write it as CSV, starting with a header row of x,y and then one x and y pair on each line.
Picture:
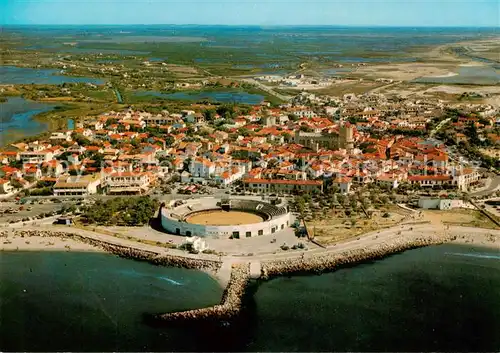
x,y
175,222
220,217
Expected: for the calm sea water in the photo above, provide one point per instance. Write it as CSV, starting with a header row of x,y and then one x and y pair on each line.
x,y
94,302
440,298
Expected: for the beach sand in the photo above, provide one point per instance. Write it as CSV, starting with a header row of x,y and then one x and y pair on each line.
x,y
10,242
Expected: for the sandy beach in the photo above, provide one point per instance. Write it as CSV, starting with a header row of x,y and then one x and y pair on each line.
x,y
9,241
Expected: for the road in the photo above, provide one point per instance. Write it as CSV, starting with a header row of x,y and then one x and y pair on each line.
x,y
267,89
494,186
378,89
439,126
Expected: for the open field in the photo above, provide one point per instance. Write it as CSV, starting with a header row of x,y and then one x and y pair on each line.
x,y
492,152
403,71
224,218
335,227
459,217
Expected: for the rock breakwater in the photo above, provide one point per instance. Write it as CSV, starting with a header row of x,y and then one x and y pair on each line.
x,y
229,307
329,262
128,252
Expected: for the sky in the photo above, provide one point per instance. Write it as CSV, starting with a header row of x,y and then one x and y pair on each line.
x,y
460,13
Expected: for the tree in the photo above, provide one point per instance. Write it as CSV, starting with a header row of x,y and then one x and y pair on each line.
x,y
301,203
243,131
209,115
471,132
169,140
80,139
121,210
227,111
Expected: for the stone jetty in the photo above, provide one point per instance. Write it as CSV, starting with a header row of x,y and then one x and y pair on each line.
x,y
229,307
152,257
232,300
329,262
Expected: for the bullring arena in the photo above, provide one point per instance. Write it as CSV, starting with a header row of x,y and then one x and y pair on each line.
x,y
237,218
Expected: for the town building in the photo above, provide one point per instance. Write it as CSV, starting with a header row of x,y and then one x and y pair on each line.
x,y
77,185
128,183
270,186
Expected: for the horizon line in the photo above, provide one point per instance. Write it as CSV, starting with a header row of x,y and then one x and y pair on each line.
x,y
249,25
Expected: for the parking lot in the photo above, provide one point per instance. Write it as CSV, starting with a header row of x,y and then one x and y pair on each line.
x,y
19,210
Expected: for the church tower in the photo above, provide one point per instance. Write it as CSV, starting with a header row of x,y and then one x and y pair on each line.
x,y
346,137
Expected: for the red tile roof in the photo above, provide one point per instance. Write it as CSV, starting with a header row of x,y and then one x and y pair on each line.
x,y
287,182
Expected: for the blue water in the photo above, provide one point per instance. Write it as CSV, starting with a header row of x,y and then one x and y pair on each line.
x,y
123,52
222,97
277,43
441,298
16,118
158,59
59,301
488,75
336,72
24,75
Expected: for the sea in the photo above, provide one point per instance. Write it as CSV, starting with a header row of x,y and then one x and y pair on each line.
x,y
440,298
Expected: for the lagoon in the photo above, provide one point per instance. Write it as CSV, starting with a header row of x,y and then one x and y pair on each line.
x,y
482,75
215,96
26,75
16,117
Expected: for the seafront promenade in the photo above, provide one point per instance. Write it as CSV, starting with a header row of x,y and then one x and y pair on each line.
x,y
235,272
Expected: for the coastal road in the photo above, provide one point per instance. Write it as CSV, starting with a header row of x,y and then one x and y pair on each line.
x,y
491,188
477,236
371,239
375,238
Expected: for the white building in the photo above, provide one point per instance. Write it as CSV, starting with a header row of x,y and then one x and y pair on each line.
x,y
78,185
60,136
128,183
465,178
440,204
202,167
36,157
195,244
5,186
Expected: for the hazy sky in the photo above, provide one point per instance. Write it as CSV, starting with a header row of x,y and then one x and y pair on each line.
x,y
260,12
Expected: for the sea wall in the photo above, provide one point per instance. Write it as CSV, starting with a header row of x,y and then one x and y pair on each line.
x,y
130,252
229,307
329,262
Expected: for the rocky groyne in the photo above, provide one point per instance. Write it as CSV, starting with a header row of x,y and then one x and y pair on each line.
x,y
330,262
229,307
155,258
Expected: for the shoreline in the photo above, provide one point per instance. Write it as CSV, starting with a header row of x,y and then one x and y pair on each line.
x,y
233,300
